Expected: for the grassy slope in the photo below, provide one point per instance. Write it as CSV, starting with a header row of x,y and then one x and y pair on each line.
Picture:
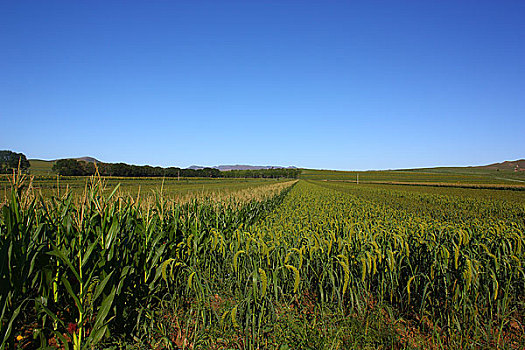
x,y
432,175
41,167
495,173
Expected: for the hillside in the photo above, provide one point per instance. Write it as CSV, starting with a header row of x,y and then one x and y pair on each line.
x,y
44,167
41,167
515,165
508,171
504,173
88,159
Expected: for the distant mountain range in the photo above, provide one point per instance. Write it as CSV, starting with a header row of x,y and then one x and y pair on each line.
x,y
241,167
49,163
220,167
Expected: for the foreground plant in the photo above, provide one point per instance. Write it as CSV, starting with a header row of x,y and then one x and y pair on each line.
x,y
87,267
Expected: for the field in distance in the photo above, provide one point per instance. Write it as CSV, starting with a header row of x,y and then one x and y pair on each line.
x,y
172,188
41,167
505,173
483,176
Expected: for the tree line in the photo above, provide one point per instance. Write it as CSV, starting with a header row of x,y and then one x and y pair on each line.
x,y
263,173
10,160
73,167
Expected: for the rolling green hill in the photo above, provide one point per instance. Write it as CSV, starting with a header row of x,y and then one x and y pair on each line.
x,y
499,174
41,167
516,166
509,172
44,167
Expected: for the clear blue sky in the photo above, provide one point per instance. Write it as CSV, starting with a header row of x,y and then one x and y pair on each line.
x,y
320,84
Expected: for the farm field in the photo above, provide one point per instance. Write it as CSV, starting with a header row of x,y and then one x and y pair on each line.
x,y
491,194
436,176
302,264
171,187
41,167
168,182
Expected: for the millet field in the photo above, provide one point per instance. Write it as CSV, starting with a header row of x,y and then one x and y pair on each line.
x,y
261,264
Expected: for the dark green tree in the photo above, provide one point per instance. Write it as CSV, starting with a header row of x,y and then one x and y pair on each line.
x,y
10,160
69,167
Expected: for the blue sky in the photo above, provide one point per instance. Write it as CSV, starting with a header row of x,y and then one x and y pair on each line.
x,y
320,84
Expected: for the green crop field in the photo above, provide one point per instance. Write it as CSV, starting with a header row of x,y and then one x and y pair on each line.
x,y
171,187
448,176
263,264
41,167
501,174
493,194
